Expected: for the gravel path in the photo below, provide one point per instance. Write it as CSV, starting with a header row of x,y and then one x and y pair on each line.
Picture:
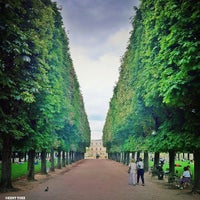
x,y
97,180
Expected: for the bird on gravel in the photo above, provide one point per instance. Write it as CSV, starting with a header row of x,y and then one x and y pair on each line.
x,y
47,189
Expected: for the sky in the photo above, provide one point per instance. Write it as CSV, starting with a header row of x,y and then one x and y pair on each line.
x,y
98,32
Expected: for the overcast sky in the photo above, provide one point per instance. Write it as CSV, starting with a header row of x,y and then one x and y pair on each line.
x,y
98,32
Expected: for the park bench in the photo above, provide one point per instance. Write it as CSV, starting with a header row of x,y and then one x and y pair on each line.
x,y
153,172
158,171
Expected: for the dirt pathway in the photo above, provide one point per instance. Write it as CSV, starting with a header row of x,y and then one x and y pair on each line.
x,y
97,180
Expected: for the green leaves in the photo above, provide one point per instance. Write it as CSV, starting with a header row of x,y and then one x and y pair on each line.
x,y
41,103
27,97
159,84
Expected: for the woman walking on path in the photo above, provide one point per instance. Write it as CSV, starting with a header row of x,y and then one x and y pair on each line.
x,y
133,171
140,171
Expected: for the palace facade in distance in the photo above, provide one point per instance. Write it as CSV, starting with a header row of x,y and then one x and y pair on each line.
x,y
96,150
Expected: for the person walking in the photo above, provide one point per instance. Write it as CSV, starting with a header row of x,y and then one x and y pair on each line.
x,y
140,171
133,171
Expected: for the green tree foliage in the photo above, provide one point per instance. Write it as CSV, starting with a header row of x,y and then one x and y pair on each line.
x,y
41,106
157,91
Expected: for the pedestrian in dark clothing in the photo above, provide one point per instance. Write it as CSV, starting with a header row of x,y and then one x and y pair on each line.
x,y
140,171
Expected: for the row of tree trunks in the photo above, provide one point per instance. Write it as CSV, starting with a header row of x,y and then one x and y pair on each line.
x,y
20,156
184,156
6,156
71,157
123,157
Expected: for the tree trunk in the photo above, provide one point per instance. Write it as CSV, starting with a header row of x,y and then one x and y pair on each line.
x,y
43,162
6,163
122,157
124,161
146,161
119,156
25,157
171,161
70,157
188,156
178,155
31,159
59,159
13,157
125,158
138,156
133,155
52,168
128,158
196,186
20,154
63,159
67,158
156,159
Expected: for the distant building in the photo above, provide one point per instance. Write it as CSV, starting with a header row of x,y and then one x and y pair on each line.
x,y
96,150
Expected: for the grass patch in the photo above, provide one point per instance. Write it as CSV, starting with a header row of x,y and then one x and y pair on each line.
x,y
178,169
19,170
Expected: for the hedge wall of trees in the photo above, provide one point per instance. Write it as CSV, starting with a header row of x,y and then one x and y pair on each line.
x,y
41,106
155,106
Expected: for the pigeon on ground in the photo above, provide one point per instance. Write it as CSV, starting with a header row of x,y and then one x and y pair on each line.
x,y
47,189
